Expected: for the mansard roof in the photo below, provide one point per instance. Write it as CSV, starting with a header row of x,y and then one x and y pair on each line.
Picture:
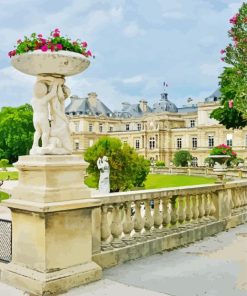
x,y
164,105
90,105
214,97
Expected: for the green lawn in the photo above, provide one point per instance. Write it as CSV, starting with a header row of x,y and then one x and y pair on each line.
x,y
3,195
12,175
163,181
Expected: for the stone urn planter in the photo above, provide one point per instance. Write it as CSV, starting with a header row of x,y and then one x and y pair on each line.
x,y
220,166
220,162
50,122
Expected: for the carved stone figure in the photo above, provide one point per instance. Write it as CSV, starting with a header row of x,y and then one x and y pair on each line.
x,y
50,122
104,180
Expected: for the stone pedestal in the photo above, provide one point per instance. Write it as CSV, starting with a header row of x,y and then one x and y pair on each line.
x,y
52,226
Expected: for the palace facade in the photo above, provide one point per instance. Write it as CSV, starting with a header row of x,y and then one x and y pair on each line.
x,y
155,132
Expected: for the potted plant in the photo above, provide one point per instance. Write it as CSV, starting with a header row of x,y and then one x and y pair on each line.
x,y
50,60
222,154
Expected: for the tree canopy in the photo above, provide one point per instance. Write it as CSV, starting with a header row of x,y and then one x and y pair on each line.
x,y
16,131
127,168
233,81
181,158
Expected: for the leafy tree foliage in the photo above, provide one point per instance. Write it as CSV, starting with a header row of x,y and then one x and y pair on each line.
x,y
181,158
127,168
3,164
233,80
16,131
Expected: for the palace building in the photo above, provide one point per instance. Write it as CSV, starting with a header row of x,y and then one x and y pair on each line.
x,y
157,131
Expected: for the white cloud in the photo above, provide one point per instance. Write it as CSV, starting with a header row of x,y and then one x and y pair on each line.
x,y
133,30
213,69
134,79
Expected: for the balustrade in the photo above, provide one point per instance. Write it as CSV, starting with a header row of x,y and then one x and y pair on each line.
x,y
129,218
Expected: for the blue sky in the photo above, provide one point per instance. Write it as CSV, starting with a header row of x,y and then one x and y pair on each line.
x,y
137,44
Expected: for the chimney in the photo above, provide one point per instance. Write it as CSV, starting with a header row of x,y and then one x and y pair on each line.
x,y
164,96
143,105
92,99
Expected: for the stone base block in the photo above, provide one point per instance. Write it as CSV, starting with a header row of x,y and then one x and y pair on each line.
x,y
45,284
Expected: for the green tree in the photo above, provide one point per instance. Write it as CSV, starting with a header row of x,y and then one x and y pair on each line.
x,y
4,163
233,81
181,158
127,169
16,131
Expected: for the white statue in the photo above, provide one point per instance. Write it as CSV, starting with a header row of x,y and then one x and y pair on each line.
x,y
50,122
40,102
104,180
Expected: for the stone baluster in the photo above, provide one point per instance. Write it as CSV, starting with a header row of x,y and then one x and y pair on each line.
x,y
157,216
166,214
241,194
174,214
105,229
201,207
207,206
138,221
181,210
212,206
237,199
195,207
233,199
116,227
128,224
189,212
148,219
245,196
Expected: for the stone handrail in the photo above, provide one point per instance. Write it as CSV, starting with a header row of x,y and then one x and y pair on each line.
x,y
129,218
207,171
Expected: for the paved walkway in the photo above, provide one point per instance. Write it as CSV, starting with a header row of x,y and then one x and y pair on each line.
x,y
216,266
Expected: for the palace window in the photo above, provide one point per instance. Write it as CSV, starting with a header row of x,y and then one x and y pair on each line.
x,y
127,127
137,144
110,128
192,123
90,127
77,145
76,123
210,141
194,162
194,142
151,143
100,127
179,143
139,126
229,140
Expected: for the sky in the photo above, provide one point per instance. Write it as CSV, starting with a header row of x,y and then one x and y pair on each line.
x,y
138,44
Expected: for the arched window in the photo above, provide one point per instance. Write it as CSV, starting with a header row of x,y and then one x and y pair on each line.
x,y
151,143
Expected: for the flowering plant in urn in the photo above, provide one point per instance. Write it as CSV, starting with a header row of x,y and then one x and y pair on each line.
x,y
50,60
54,42
223,153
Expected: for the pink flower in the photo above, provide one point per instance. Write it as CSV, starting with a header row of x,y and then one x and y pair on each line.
x,y
88,53
84,44
230,104
43,40
57,30
44,48
19,41
59,46
222,59
12,53
56,34
52,47
40,35
234,19
222,51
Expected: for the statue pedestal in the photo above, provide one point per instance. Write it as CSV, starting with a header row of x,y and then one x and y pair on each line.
x,y
51,226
